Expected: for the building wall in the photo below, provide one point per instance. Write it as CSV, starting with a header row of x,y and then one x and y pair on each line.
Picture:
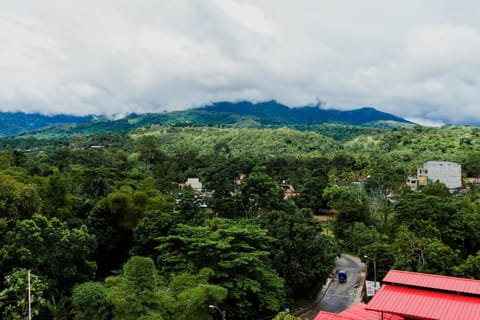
x,y
448,173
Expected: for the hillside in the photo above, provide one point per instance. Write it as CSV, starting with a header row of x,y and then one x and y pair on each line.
x,y
14,123
240,114
271,112
240,142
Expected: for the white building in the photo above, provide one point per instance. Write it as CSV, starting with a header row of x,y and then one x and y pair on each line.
x,y
194,183
448,173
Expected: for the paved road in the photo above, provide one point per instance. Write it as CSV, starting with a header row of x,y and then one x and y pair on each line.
x,y
336,296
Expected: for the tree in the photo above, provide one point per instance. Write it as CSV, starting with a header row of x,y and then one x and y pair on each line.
x,y
153,225
53,191
139,292
300,254
286,316
17,200
114,218
220,177
189,206
238,254
149,153
351,206
135,292
193,294
89,301
359,235
13,300
47,246
260,193
311,193
97,183
380,254
419,253
470,268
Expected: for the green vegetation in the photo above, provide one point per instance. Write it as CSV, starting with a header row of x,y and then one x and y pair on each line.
x,y
107,232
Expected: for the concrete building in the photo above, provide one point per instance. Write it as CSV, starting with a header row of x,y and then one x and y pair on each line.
x,y
448,173
193,183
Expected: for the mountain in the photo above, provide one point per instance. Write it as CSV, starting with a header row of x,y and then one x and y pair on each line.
x,y
14,123
244,113
274,112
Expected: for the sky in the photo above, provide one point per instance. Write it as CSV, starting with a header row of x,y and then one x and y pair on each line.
x,y
417,59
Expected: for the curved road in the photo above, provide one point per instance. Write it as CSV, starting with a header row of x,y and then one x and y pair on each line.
x,y
336,297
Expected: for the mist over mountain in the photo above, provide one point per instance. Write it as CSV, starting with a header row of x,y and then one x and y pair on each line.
x,y
243,113
14,123
274,112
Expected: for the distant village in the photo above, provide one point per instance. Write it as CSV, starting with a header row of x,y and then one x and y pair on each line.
x,y
448,173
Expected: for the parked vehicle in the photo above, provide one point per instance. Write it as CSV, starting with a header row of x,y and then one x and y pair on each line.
x,y
342,276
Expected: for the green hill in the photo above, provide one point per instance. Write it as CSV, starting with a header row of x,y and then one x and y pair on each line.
x,y
240,114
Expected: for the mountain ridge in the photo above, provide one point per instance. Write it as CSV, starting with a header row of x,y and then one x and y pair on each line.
x,y
276,112
242,113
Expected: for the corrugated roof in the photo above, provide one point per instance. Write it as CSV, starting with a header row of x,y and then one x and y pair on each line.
x,y
432,281
322,315
356,312
425,304
359,311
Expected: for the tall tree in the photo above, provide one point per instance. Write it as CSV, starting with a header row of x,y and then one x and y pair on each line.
x,y
260,193
52,250
351,205
18,200
300,253
139,292
238,254
114,218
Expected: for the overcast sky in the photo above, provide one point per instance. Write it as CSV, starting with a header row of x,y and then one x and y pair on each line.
x,y
418,59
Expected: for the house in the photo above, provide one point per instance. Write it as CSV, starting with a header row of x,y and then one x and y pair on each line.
x,y
359,180
448,173
412,182
193,183
288,190
201,194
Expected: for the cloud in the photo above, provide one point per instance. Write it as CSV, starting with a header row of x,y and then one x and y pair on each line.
x,y
416,59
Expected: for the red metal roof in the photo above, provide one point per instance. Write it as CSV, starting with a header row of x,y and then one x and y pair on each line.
x,y
356,312
432,281
425,304
322,315
359,312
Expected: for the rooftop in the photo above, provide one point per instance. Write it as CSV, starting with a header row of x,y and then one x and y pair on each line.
x,y
433,281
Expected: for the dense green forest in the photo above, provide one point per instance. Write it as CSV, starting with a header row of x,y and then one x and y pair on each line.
x,y
107,232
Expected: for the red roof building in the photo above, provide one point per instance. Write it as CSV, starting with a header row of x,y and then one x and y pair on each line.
x,y
418,296
356,312
427,296
360,311
433,281
331,316
424,304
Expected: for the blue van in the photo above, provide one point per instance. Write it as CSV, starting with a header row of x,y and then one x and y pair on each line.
x,y
342,276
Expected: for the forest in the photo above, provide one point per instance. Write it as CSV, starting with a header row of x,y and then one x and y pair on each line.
x,y
107,230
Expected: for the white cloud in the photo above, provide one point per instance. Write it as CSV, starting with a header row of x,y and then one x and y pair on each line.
x,y
416,59
247,15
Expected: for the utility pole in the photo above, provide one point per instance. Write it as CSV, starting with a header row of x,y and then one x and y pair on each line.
x,y
29,299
